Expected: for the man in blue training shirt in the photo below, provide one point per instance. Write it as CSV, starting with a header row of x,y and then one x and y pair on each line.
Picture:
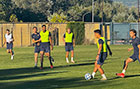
x,y
36,41
136,54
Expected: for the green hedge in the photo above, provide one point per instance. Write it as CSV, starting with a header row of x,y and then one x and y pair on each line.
x,y
78,28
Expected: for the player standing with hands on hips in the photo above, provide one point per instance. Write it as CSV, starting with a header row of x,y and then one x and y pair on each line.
x,y
9,39
101,55
69,41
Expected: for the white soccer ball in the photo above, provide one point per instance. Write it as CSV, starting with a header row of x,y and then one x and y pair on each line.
x,y
88,76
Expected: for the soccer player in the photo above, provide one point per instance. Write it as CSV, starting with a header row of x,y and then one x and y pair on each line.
x,y
9,39
37,43
136,54
101,55
46,42
69,41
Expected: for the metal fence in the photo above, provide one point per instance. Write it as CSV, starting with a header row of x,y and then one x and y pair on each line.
x,y
119,32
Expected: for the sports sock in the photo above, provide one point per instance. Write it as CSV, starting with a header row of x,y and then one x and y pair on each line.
x,y
35,64
67,59
93,74
72,59
123,71
41,64
103,75
41,60
50,60
12,52
124,64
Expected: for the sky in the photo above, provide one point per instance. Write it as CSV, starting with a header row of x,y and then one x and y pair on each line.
x,y
128,2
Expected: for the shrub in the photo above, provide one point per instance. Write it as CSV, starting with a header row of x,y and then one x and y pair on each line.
x,y
78,28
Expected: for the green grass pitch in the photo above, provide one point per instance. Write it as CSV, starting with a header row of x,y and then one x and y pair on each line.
x,y
19,73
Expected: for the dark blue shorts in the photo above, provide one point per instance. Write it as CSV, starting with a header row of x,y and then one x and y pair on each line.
x,y
45,47
68,48
102,58
9,46
37,49
134,57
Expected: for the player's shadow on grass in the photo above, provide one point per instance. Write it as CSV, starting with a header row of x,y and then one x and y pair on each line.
x,y
86,60
128,76
29,75
16,71
113,78
13,71
74,65
58,83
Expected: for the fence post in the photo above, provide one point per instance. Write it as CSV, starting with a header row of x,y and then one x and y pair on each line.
x,y
30,35
21,36
2,36
105,29
111,33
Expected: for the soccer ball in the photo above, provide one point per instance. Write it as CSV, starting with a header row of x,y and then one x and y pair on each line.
x,y
88,76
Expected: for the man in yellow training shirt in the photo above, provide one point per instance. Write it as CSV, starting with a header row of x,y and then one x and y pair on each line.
x,y
101,55
69,41
46,42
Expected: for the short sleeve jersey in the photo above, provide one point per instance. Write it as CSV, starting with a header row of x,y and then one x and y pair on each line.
x,y
135,43
36,37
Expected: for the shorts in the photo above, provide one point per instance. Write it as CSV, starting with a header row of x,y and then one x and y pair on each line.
x,y
134,57
102,58
45,47
9,46
69,48
37,49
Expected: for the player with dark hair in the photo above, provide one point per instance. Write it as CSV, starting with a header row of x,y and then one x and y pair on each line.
x,y
101,55
37,43
46,42
9,39
69,41
136,54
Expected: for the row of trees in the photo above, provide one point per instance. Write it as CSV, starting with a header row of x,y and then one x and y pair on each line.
x,y
64,11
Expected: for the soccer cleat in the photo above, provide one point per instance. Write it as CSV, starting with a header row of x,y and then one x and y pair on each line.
x,y
51,66
41,68
73,61
67,61
103,79
121,75
35,67
12,57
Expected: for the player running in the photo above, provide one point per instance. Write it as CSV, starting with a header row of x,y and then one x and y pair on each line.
x,y
37,42
9,39
69,41
136,54
101,55
46,42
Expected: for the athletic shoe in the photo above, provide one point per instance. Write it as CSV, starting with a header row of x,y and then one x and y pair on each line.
x,y
73,61
41,68
51,66
35,67
103,79
67,61
121,75
12,57
52,59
